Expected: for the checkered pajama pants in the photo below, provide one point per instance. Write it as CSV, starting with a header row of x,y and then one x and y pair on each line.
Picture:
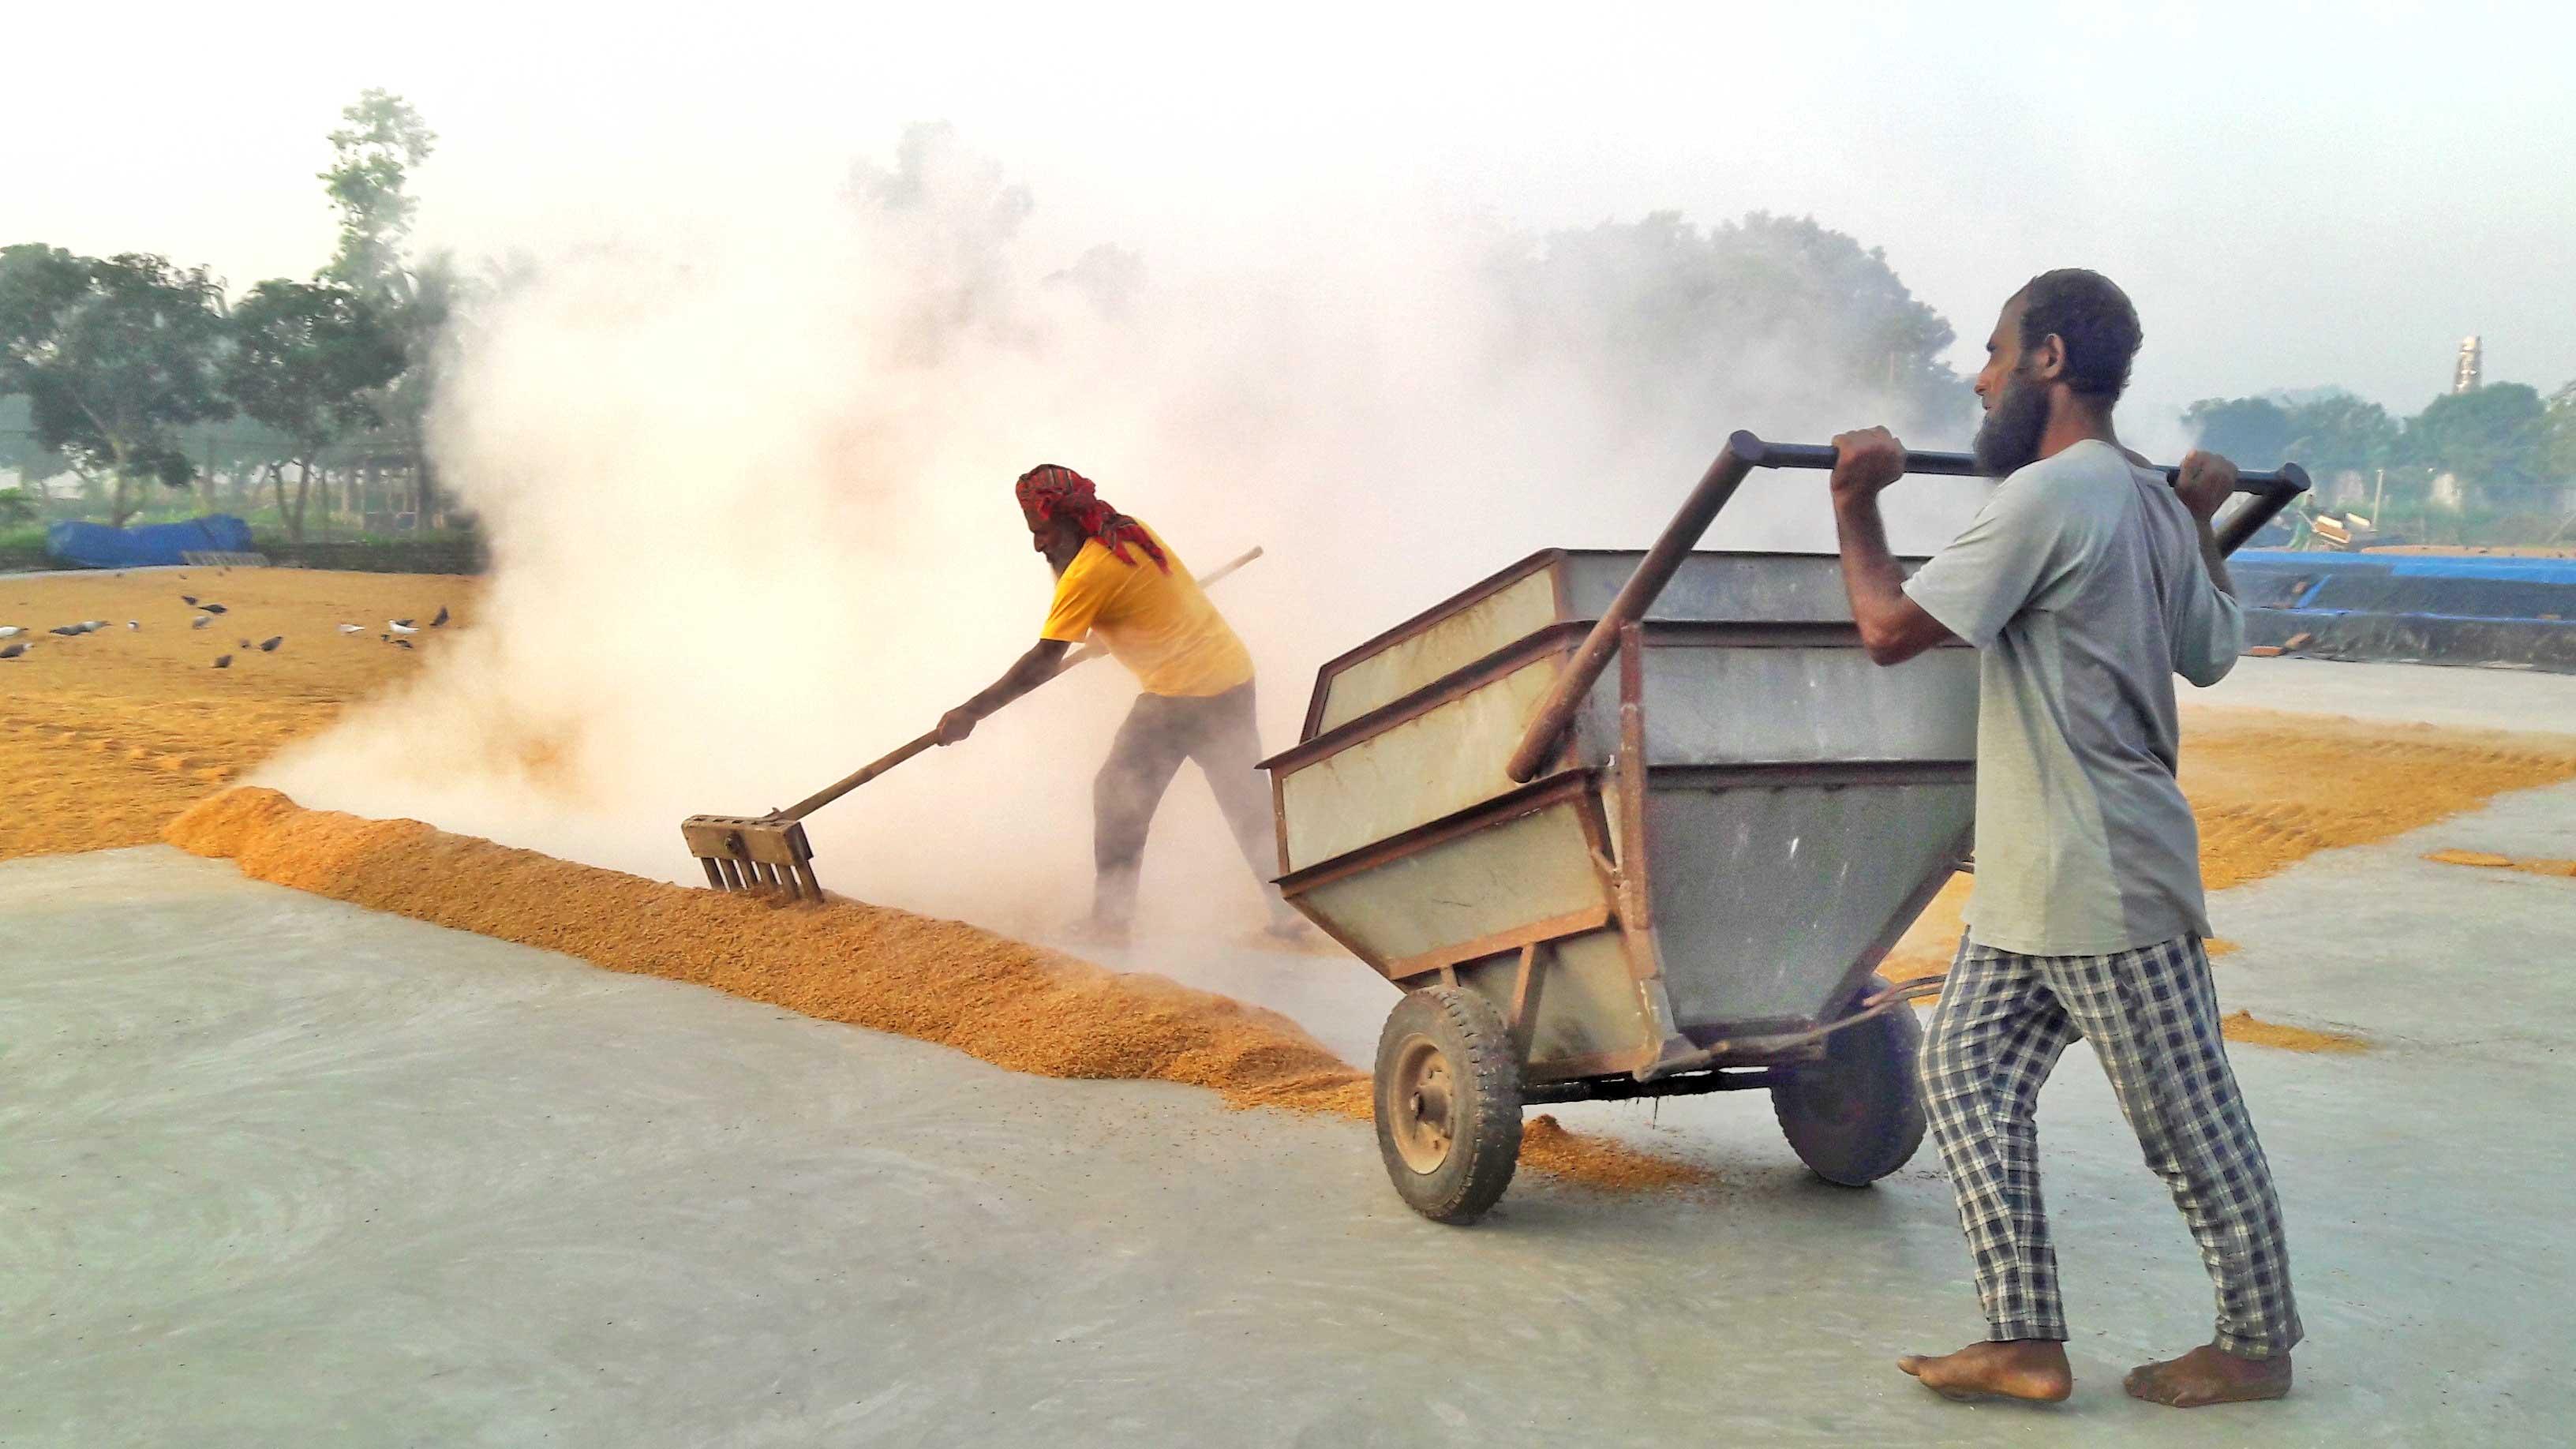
x,y
2152,1017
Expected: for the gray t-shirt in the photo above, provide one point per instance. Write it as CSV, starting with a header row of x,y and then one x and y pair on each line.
x,y
2082,585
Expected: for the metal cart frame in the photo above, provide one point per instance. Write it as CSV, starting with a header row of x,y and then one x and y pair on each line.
x,y
1547,918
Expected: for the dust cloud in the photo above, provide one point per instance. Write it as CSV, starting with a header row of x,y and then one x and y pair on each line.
x,y
745,464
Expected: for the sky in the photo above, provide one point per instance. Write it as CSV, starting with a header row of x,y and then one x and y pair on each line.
x,y
2296,195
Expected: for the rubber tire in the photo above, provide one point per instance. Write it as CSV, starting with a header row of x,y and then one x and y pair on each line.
x,y
1858,1116
1485,1138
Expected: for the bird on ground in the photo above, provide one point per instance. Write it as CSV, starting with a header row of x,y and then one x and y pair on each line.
x,y
202,621
133,623
223,661
212,608
92,626
68,631
188,599
353,628
13,651
12,631
269,645
402,643
401,626
441,619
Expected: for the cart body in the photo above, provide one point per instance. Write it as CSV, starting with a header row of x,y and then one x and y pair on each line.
x,y
1676,876
1792,809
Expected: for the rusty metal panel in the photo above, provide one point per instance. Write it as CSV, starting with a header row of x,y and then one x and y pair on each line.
x,y
1416,659
1438,762
1765,897
1588,1010
1470,887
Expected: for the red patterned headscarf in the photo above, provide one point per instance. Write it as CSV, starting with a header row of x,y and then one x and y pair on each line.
x,y
1048,490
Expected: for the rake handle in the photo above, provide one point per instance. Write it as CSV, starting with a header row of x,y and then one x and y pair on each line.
x,y
871,770
847,783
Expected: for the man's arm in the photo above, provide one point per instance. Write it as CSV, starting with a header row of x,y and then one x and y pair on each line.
x,y
2211,629
1893,628
2207,480
1028,672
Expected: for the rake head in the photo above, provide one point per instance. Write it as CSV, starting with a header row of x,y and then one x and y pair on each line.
x,y
753,853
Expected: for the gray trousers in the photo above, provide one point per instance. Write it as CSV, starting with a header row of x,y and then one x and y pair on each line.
x,y
1219,734
2152,1017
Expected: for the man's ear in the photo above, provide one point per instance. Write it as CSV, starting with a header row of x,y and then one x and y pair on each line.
x,y
2046,362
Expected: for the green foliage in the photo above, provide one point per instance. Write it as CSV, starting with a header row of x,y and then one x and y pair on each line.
x,y
17,506
305,357
1775,310
2339,433
372,158
2559,429
2492,434
306,362
114,355
2253,432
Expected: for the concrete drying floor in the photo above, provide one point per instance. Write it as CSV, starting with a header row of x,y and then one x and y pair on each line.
x,y
279,1170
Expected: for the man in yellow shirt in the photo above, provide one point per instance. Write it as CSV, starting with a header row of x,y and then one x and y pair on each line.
x,y
1116,577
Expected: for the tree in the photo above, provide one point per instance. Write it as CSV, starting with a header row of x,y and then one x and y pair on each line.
x,y
2495,435
1769,313
307,359
2339,433
373,157
2254,432
115,356
2559,458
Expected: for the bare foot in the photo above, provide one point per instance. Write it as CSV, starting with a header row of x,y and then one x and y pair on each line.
x,y
2023,1368
2210,1375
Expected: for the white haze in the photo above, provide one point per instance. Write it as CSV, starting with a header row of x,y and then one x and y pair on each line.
x,y
746,473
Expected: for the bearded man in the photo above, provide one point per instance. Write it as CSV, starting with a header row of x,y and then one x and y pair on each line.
x,y
1117,578
2086,584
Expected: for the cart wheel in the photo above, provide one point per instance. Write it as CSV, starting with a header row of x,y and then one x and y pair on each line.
x,y
1856,1117
1448,1103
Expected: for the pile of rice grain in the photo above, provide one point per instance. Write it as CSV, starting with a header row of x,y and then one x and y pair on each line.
x,y
1005,1002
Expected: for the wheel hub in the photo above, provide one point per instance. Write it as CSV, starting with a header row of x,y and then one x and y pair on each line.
x,y
1425,1104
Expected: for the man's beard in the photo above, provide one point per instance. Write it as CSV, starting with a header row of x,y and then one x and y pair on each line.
x,y
2008,440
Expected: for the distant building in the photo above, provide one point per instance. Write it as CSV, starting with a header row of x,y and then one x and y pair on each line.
x,y
2470,369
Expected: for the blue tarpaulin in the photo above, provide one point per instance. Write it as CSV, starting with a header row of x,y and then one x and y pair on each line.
x,y
97,546
2421,565
2436,608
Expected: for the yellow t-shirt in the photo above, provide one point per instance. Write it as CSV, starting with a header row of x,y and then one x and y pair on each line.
x,y
1161,626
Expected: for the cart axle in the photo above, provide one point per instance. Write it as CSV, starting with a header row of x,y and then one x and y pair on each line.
x,y
1623,1089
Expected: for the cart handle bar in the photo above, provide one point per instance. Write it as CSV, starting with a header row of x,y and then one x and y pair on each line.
x,y
2271,492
